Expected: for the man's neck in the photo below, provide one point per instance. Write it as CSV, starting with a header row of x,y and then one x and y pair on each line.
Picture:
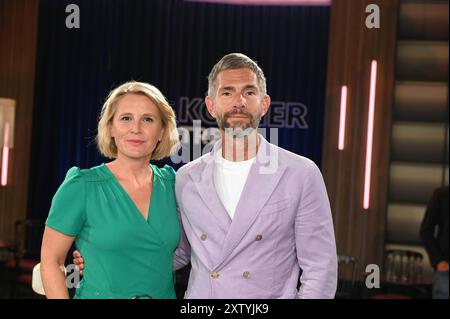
x,y
237,149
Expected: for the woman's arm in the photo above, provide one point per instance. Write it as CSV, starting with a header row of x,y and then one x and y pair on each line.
x,y
55,246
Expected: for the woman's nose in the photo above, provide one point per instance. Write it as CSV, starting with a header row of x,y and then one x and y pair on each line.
x,y
136,127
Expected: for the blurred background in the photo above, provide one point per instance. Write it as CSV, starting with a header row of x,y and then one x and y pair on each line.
x,y
324,60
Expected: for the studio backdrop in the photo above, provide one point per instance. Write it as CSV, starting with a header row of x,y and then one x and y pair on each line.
x,y
171,44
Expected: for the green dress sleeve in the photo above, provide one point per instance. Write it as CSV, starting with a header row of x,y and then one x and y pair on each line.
x,y
68,211
168,172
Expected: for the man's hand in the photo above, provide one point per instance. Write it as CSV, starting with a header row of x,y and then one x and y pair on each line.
x,y
79,261
442,266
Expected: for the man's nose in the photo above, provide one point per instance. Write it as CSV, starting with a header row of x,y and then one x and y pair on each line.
x,y
240,101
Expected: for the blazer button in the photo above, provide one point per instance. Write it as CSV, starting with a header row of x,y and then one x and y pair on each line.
x,y
215,275
203,237
246,274
258,237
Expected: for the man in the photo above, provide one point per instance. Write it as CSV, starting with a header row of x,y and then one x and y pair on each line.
x,y
436,215
254,215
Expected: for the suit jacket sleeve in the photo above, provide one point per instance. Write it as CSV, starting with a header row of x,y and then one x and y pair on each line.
x,y
182,255
315,242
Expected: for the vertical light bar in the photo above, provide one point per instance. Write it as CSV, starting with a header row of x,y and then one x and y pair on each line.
x,y
369,144
5,155
343,112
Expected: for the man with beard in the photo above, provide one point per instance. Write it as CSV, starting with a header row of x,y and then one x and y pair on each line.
x,y
256,217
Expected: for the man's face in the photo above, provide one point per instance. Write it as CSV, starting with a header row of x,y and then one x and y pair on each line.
x,y
238,104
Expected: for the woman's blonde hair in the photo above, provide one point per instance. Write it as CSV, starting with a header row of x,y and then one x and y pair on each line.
x,y
170,138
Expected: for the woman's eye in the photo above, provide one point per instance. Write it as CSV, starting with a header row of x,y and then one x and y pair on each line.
x,y
148,119
125,118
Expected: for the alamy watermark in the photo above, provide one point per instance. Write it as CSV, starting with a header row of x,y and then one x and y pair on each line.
x,y
73,19
72,276
373,276
373,19
204,140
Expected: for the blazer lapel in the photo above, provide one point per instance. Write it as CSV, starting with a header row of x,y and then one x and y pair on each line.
x,y
203,178
262,180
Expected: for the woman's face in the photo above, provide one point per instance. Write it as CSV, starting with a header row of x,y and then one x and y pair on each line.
x,y
136,127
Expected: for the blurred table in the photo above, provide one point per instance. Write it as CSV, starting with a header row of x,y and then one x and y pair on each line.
x,y
6,246
396,290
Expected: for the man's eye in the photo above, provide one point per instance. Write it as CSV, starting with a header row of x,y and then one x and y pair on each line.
x,y
226,93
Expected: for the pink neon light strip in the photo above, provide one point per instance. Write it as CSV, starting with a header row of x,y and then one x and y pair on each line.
x,y
369,144
5,155
342,117
270,2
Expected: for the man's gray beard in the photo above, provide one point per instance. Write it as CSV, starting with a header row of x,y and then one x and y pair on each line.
x,y
238,132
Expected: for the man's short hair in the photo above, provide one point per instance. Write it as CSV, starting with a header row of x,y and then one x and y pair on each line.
x,y
235,61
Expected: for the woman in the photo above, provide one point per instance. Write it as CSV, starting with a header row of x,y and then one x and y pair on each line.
x,y
122,215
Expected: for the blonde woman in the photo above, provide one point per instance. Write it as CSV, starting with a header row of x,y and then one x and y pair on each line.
x,y
122,215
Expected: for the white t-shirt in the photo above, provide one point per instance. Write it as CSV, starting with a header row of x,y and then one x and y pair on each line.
x,y
229,180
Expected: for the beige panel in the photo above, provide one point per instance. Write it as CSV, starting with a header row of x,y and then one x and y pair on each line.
x,y
428,271
446,175
446,145
414,183
420,101
7,115
418,142
422,61
426,20
18,38
404,222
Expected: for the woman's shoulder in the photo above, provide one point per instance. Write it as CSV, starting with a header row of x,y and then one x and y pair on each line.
x,y
166,172
93,174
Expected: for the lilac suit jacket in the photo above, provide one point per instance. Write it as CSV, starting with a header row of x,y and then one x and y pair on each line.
x,y
282,224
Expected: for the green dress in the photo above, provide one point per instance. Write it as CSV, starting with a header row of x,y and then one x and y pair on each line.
x,y
125,255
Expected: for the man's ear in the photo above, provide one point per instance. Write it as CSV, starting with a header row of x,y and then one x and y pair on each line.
x,y
265,105
210,106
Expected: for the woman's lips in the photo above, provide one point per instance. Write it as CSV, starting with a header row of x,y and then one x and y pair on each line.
x,y
135,142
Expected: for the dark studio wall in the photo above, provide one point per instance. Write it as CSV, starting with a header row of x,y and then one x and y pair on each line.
x,y
173,45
